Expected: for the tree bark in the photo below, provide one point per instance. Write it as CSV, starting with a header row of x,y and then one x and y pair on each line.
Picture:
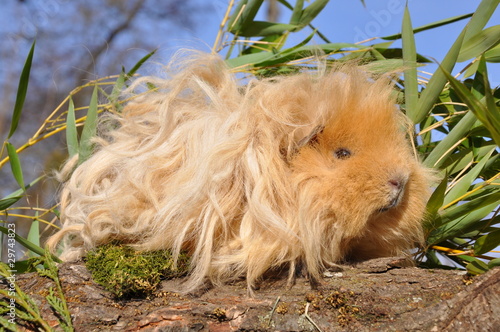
x,y
378,295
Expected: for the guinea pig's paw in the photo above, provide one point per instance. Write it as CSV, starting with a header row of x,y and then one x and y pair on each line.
x,y
395,191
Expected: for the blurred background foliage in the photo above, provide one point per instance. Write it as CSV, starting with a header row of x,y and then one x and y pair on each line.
x,y
456,116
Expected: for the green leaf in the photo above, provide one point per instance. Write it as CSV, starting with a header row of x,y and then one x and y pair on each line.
x,y
462,159
488,114
246,26
410,63
21,91
139,64
34,232
487,242
493,55
27,244
431,259
262,29
461,187
249,59
311,11
430,26
268,58
476,266
28,265
493,263
243,15
459,219
6,202
89,129
480,43
297,12
16,195
437,198
71,132
397,53
120,82
267,43
480,18
478,88
15,165
437,82
444,148
232,23
383,66
435,202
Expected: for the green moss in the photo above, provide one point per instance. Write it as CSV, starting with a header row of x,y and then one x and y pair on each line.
x,y
127,273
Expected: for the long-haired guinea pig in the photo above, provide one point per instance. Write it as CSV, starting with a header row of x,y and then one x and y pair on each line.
x,y
304,170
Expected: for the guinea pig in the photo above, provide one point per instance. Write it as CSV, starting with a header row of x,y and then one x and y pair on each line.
x,y
308,170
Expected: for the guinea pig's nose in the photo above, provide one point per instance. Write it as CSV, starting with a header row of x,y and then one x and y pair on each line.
x,y
398,182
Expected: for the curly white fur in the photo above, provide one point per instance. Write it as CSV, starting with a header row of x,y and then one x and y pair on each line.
x,y
308,169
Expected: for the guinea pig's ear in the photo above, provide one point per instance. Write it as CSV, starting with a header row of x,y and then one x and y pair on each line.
x,y
311,138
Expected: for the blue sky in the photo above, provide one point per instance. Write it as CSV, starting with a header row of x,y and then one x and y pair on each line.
x,y
349,21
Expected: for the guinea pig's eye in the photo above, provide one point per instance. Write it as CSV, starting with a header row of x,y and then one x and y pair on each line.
x,y
342,153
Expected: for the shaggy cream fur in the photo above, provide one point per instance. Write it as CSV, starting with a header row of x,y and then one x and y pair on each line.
x,y
305,170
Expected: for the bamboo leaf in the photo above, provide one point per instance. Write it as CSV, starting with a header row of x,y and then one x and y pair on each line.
x,y
465,182
304,51
459,219
21,91
492,115
437,82
410,63
397,53
119,84
89,129
383,66
311,11
71,132
232,23
6,202
493,263
243,16
437,198
297,12
476,267
478,88
458,161
15,165
249,59
444,148
489,114
480,43
27,244
262,29
139,64
34,232
268,58
267,44
16,195
429,95
487,242
493,55
430,26
481,17
481,190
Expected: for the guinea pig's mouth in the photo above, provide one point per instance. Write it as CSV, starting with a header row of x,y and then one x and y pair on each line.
x,y
398,196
